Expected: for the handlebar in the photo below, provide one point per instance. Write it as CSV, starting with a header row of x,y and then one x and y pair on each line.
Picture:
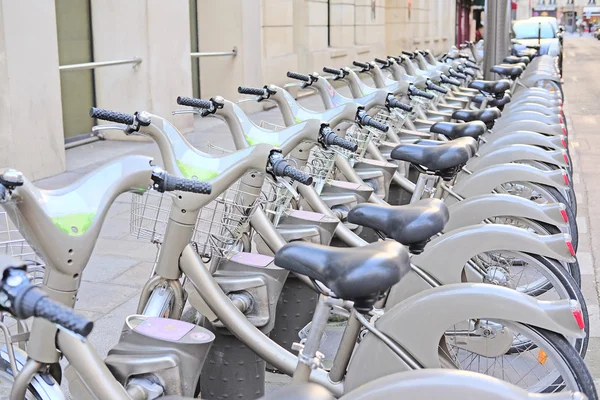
x,y
23,300
397,59
253,91
392,102
366,120
408,53
198,103
280,167
448,80
472,65
384,63
413,91
163,182
432,86
339,72
329,138
112,116
363,65
300,77
458,75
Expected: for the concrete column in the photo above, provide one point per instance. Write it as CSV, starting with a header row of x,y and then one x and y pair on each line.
x,y
31,128
159,33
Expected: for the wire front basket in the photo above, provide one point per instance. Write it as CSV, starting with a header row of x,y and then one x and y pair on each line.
x,y
13,244
222,227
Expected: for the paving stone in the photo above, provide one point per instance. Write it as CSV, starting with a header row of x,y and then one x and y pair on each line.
x,y
136,276
103,297
102,268
586,263
143,251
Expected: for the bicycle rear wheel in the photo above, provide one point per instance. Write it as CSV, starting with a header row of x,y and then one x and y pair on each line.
x,y
548,365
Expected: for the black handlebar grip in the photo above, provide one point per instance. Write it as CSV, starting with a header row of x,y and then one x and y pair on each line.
x,y
112,116
394,58
419,93
394,103
361,64
332,71
173,183
472,65
433,86
368,121
381,61
450,81
300,77
198,103
457,74
253,91
408,53
344,144
297,175
33,302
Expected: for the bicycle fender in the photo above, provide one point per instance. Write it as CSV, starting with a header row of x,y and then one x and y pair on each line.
x,y
528,125
517,115
496,140
474,210
518,152
486,180
418,323
445,262
433,383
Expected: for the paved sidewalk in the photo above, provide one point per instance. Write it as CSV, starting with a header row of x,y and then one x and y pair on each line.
x,y
582,109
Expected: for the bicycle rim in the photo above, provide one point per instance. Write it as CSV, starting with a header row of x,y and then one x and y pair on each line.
x,y
545,366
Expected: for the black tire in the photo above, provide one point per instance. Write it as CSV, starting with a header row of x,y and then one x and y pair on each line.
x,y
568,364
574,292
295,310
231,370
575,361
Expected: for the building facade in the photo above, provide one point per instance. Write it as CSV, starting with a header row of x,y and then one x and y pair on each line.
x,y
44,100
566,11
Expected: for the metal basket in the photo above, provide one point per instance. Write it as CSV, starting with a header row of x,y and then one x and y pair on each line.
x,y
222,227
13,244
394,119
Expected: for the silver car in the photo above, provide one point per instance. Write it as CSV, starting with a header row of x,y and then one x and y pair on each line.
x,y
536,31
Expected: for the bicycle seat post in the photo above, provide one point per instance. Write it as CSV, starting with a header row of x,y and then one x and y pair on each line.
x,y
309,357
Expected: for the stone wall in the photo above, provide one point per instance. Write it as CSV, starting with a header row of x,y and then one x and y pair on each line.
x,y
272,37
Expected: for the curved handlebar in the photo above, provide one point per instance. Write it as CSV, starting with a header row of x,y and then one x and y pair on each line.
x,y
413,91
300,77
366,120
198,103
448,80
280,167
362,65
163,182
433,86
384,63
25,300
112,116
392,102
329,138
333,71
253,91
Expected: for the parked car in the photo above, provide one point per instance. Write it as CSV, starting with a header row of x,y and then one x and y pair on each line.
x,y
542,31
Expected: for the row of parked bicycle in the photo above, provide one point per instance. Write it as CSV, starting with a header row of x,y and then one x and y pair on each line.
x,y
432,211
